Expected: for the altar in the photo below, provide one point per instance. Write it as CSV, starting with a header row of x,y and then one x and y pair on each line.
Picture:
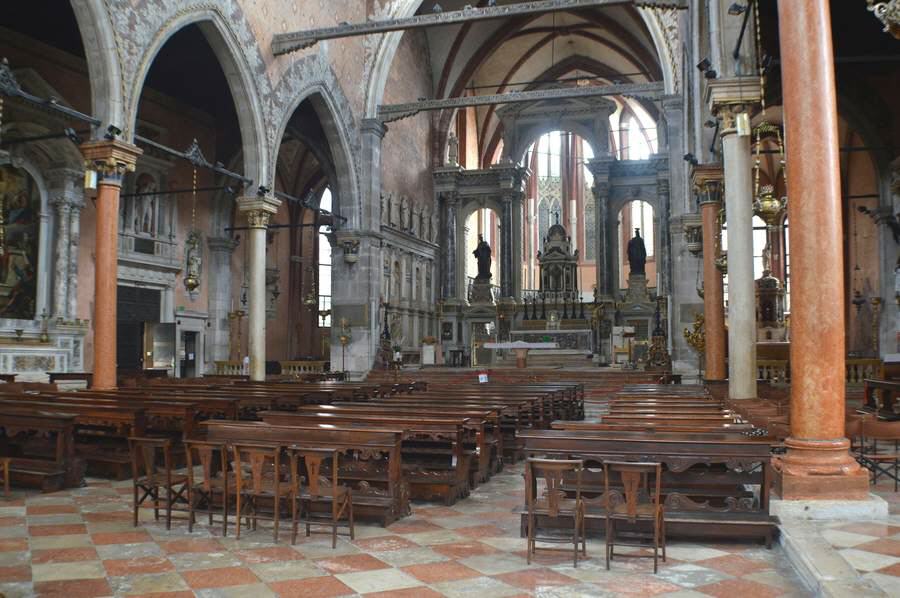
x,y
570,340
521,349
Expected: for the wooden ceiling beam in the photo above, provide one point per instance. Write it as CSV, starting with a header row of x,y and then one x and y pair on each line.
x,y
285,43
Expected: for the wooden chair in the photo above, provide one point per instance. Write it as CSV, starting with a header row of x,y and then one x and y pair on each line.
x,y
884,459
215,484
553,503
318,490
635,487
4,465
259,479
150,476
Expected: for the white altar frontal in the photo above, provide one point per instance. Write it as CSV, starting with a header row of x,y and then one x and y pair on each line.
x,y
521,348
571,340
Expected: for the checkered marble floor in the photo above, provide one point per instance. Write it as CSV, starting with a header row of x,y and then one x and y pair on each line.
x,y
81,543
872,547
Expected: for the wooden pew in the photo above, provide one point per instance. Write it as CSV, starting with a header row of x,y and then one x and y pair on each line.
x,y
484,422
42,447
706,476
880,398
101,431
436,463
163,418
372,465
657,426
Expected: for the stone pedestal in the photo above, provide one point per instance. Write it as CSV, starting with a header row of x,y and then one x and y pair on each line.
x,y
637,289
481,292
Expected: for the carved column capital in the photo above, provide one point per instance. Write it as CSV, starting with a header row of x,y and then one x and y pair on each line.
x,y
259,210
729,97
708,183
111,159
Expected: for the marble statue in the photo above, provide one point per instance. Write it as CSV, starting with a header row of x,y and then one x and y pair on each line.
x,y
482,253
637,253
453,150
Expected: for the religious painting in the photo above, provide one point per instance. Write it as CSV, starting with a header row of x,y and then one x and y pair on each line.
x,y
20,205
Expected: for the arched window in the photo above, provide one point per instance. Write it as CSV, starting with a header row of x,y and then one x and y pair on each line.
x,y
636,214
759,245
642,218
543,219
325,260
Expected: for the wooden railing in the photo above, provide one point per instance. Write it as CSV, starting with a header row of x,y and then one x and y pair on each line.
x,y
857,370
298,368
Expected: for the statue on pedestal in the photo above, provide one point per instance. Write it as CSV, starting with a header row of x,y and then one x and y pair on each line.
x,y
637,253
482,253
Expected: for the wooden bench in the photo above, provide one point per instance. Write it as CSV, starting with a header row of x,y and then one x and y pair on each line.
x,y
41,447
372,465
101,431
880,398
706,481
436,463
485,423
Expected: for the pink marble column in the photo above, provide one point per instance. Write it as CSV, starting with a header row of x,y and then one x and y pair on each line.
x,y
111,160
817,464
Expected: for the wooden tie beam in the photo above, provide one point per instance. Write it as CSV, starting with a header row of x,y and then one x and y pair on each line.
x,y
285,43
391,112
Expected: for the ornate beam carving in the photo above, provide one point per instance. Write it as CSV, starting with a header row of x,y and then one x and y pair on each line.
x,y
284,43
391,112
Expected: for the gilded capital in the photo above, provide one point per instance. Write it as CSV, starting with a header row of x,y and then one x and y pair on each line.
x,y
111,159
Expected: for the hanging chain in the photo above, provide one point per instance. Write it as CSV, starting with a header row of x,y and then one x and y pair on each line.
x,y
759,60
194,200
2,203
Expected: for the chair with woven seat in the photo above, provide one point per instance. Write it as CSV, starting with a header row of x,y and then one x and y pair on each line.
x,y
214,485
640,504
553,502
306,466
880,449
259,480
150,477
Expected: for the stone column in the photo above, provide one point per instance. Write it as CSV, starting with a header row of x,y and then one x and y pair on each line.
x,y
662,217
817,464
74,244
220,298
62,212
259,210
730,100
506,247
110,159
605,272
708,183
66,198
449,208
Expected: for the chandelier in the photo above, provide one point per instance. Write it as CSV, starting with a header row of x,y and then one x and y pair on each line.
x,y
888,13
